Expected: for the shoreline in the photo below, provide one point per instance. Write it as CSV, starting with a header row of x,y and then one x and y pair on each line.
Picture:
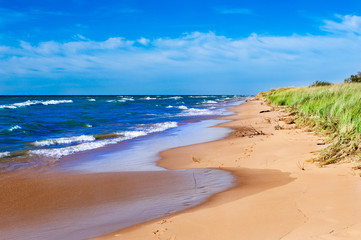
x,y
34,197
279,193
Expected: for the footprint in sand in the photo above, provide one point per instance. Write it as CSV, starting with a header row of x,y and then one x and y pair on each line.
x,y
159,232
163,221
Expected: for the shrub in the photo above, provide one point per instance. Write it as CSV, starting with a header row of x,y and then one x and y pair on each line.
x,y
320,84
354,78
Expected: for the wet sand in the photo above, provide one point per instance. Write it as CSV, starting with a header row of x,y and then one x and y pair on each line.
x,y
51,205
96,192
280,194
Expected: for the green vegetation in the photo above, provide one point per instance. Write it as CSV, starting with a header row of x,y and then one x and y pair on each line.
x,y
333,110
354,78
320,84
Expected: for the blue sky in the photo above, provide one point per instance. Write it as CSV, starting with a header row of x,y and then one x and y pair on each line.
x,y
175,47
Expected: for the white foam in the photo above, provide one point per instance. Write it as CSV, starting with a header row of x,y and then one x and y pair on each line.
x,y
65,140
197,96
149,98
27,103
53,102
175,97
91,100
35,102
182,107
159,127
156,127
126,135
58,152
4,154
127,99
209,102
132,134
14,128
7,106
124,99
196,112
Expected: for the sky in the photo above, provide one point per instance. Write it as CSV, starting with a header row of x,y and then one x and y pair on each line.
x,y
175,47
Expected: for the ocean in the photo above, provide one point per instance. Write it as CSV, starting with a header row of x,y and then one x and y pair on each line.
x,y
47,128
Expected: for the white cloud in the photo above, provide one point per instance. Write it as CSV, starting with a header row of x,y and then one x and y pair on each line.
x,y
144,41
349,23
195,58
80,37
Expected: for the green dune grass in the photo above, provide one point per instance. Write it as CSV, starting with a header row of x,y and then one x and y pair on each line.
x,y
333,110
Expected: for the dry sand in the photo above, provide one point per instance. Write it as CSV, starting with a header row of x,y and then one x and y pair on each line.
x,y
275,198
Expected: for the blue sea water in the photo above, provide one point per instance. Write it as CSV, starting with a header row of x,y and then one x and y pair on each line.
x,y
49,127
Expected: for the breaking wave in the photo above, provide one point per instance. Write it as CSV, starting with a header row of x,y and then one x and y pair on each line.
x,y
196,112
4,154
122,100
89,142
179,107
14,128
64,140
35,102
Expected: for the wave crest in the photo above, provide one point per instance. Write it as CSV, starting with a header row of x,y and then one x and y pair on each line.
x,y
90,142
34,102
196,112
4,154
14,128
64,140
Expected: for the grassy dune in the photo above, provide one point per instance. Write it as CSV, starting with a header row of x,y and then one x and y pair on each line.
x,y
332,110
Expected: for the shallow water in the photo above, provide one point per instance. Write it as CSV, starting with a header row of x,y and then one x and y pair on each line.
x,y
49,127
141,155
174,191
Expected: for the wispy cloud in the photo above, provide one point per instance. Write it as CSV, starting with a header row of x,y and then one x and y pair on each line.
x,y
347,23
9,16
254,63
244,11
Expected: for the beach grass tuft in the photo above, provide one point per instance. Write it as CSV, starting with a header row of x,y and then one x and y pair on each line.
x,y
331,110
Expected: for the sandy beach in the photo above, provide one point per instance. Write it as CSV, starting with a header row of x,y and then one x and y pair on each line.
x,y
180,120
279,194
